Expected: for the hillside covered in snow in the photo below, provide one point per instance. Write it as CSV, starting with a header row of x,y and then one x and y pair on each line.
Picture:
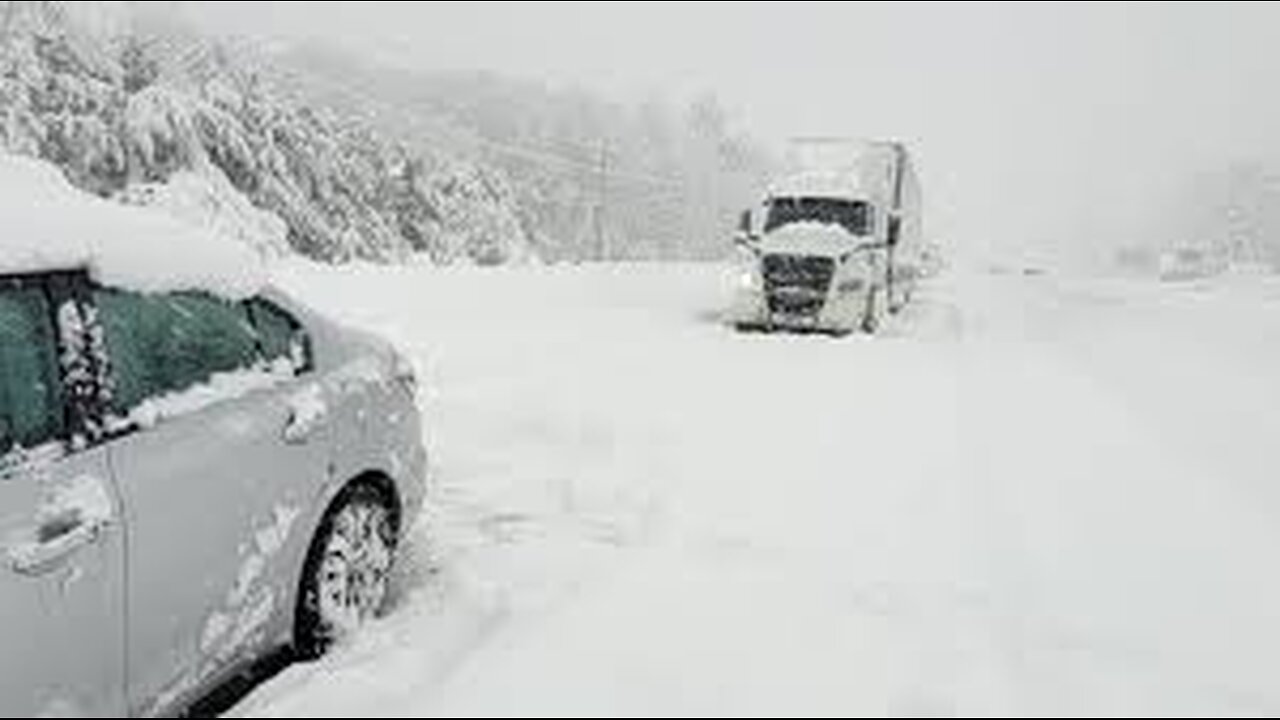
x,y
138,109
307,150
661,178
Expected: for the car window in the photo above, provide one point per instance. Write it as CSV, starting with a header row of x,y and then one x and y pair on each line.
x,y
167,343
281,335
31,408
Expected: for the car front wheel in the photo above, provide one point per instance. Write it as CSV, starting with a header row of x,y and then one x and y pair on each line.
x,y
347,577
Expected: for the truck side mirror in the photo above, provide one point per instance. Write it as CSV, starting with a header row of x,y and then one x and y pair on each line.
x,y
746,229
895,231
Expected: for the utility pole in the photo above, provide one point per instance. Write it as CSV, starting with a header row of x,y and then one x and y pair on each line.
x,y
602,242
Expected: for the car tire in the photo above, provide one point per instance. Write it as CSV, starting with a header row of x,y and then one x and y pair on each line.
x,y
346,579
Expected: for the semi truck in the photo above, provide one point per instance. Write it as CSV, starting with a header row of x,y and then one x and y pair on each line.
x,y
837,244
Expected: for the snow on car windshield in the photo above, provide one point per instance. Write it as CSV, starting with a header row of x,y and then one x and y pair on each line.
x,y
855,216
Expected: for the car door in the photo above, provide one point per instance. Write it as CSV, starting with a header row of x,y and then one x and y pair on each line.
x,y
61,540
216,468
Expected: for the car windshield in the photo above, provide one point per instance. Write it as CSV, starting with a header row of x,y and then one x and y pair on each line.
x,y
855,216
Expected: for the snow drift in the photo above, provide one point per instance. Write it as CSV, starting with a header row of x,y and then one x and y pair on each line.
x,y
116,110
1036,497
46,224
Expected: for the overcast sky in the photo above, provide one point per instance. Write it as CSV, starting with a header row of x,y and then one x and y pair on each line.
x,y
1052,120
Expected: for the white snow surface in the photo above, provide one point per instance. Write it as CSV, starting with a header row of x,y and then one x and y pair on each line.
x,y
85,496
1036,496
308,410
220,388
820,184
206,199
46,224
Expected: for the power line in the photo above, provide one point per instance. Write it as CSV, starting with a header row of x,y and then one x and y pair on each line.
x,y
542,156
545,157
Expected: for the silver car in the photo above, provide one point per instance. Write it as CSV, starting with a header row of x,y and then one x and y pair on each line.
x,y
187,483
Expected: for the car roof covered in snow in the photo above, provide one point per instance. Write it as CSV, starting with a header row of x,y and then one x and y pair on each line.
x,y
820,184
47,224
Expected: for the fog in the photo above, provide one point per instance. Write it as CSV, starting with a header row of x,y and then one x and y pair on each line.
x,y
553,428
1063,129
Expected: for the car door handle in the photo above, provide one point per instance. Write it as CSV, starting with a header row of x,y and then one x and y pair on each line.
x,y
59,541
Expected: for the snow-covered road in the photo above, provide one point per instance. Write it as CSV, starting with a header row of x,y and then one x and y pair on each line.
x,y
1039,496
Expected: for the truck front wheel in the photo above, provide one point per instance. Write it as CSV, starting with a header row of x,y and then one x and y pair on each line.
x,y
873,318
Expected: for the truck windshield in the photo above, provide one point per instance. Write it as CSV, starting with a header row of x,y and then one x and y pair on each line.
x,y
854,216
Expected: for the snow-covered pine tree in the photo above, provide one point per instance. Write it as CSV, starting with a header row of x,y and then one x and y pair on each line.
x,y
149,112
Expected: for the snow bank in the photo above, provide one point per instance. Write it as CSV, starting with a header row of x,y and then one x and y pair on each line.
x,y
46,224
1038,497
208,200
220,388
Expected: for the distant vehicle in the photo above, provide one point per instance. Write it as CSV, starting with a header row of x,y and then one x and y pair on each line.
x,y
1185,264
187,482
835,248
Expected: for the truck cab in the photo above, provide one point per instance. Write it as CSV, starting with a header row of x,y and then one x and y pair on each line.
x,y
832,249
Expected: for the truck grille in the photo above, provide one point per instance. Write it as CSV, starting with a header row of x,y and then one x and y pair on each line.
x,y
797,284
